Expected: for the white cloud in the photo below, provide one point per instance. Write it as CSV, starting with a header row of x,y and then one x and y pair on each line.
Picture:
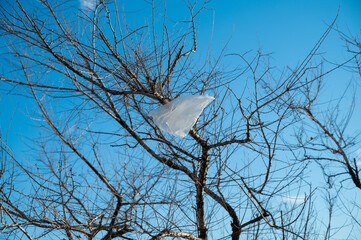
x,y
294,199
358,152
88,4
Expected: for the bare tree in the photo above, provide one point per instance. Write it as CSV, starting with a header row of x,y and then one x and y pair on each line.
x,y
102,169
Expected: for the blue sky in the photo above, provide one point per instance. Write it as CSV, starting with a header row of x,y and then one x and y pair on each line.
x,y
286,28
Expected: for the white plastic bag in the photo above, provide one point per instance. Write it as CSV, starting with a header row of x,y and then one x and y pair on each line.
x,y
179,115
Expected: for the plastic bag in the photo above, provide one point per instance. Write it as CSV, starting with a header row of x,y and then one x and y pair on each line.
x,y
179,115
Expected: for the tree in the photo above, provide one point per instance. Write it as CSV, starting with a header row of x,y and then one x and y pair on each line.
x,y
104,170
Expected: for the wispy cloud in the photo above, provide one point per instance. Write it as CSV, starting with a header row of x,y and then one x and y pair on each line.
x,y
294,199
88,4
358,152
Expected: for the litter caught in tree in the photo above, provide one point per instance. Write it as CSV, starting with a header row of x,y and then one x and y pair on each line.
x,y
179,115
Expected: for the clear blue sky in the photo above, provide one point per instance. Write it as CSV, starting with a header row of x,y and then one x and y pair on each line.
x,y
286,28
